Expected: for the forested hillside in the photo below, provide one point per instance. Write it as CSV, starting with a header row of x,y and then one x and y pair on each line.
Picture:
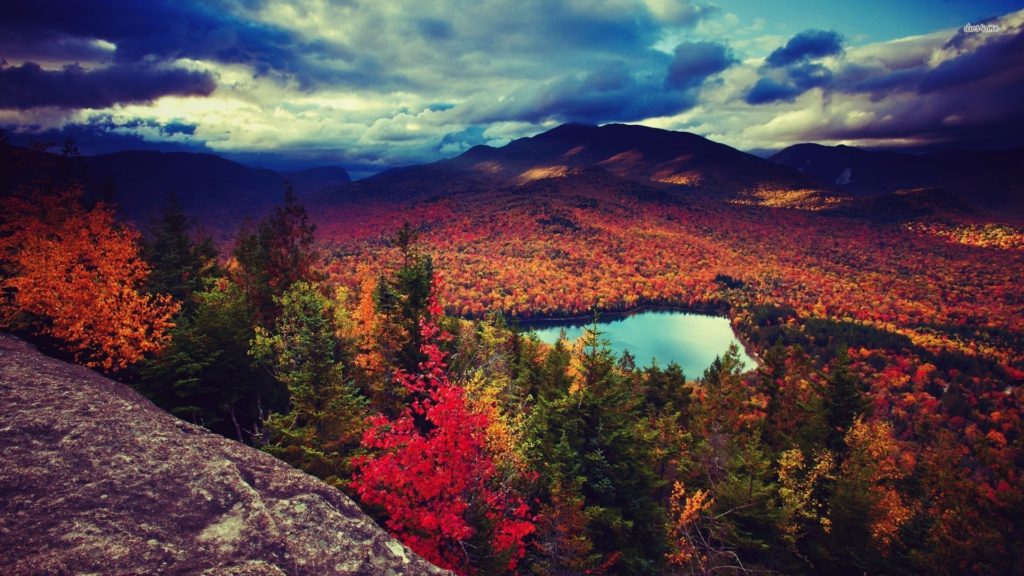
x,y
880,432
598,287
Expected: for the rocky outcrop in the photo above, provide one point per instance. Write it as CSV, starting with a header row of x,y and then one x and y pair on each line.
x,y
94,479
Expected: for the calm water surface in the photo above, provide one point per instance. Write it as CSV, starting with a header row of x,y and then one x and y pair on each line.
x,y
691,339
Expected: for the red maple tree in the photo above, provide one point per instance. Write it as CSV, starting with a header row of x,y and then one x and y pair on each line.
x,y
432,473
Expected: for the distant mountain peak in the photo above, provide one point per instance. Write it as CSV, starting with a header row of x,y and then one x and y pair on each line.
x,y
569,129
644,155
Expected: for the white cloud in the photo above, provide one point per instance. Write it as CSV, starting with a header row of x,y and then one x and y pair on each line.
x,y
377,84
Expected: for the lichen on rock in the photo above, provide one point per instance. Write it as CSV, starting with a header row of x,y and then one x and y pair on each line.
x,y
96,479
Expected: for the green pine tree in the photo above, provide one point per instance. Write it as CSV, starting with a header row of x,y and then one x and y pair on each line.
x,y
327,414
180,264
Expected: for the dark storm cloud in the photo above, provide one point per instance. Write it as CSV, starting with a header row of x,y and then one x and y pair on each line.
x,y
163,30
29,86
806,45
630,100
375,53
1004,54
767,90
103,137
179,127
990,119
434,29
614,93
972,98
17,45
619,92
875,80
784,85
695,61
138,40
561,25
790,70
999,55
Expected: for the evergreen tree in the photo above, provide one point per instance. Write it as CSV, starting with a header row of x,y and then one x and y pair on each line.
x,y
525,370
667,401
602,453
554,372
665,391
327,413
732,464
179,263
794,414
406,239
401,299
386,298
206,375
746,502
277,254
413,284
843,400
553,386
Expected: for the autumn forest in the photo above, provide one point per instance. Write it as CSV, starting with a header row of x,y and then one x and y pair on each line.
x,y
373,342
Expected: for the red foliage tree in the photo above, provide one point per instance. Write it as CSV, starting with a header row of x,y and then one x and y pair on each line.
x,y
433,475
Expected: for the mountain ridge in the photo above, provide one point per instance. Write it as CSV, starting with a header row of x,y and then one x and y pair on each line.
x,y
141,182
221,191
681,161
986,180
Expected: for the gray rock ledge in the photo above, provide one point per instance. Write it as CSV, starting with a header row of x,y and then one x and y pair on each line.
x,y
95,479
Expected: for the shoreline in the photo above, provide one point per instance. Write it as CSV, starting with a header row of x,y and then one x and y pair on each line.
x,y
584,319
527,325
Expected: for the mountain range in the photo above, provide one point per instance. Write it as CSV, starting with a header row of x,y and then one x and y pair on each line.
x,y
673,163
142,182
987,180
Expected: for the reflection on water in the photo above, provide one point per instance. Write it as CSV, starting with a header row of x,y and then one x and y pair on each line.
x,y
693,340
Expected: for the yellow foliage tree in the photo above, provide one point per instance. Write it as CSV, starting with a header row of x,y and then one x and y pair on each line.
x,y
798,480
688,545
875,458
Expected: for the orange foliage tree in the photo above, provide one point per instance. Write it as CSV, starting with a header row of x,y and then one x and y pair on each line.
x,y
76,275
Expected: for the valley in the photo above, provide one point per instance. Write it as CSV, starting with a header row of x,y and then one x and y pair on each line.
x,y
585,288
887,331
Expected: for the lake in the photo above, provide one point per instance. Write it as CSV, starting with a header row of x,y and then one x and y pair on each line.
x,y
690,339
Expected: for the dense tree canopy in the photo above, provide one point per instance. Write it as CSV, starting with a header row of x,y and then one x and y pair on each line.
x,y
879,433
434,476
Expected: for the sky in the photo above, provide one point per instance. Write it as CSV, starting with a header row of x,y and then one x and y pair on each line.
x,y
373,84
